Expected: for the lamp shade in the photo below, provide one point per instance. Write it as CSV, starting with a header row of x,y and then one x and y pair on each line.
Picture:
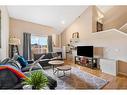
x,y
14,41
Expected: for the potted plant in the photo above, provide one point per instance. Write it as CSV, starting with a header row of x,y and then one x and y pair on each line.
x,y
37,80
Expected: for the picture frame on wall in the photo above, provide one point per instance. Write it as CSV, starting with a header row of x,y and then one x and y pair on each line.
x,y
75,35
99,26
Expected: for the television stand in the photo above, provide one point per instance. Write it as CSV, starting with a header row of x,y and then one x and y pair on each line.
x,y
87,61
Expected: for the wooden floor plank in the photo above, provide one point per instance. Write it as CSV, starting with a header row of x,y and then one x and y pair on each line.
x,y
115,82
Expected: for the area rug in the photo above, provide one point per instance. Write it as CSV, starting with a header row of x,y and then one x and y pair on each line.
x,y
77,80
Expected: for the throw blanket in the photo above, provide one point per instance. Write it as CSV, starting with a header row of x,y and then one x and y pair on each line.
x,y
14,70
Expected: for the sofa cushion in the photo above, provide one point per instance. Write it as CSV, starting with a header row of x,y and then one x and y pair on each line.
x,y
14,63
51,82
48,56
27,68
3,62
37,56
54,55
11,62
22,61
7,79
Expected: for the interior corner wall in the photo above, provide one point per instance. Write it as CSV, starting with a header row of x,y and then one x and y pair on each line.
x,y
56,40
95,18
4,32
82,24
115,17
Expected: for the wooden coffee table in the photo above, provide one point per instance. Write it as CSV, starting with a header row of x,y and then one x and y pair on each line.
x,y
63,69
55,64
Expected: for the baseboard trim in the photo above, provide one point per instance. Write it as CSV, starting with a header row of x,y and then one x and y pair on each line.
x,y
125,74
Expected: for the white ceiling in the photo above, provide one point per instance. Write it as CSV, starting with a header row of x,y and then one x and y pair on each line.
x,y
58,17
105,9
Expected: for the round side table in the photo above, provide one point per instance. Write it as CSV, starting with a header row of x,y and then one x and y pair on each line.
x,y
64,69
55,64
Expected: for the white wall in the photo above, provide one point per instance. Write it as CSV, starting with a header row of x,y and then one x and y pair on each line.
x,y
113,41
4,32
83,25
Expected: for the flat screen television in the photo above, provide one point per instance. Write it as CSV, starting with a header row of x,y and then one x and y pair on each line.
x,y
86,51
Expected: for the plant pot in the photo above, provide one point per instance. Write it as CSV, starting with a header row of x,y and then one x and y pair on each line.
x,y
33,87
27,87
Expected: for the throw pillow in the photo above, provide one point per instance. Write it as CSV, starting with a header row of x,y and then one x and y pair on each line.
x,y
14,64
5,61
18,64
22,61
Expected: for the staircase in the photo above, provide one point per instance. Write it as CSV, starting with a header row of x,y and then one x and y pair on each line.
x,y
114,42
121,30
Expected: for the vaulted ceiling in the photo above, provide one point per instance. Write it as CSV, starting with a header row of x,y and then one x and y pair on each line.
x,y
58,17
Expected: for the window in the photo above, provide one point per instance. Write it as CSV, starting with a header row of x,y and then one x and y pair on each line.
x,y
39,40
39,44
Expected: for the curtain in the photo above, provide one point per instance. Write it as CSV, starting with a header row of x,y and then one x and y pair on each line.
x,y
27,46
50,48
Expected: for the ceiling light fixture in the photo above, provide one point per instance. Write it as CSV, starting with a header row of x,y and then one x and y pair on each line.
x,y
63,22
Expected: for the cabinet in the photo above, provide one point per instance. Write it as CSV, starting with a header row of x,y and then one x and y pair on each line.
x,y
87,61
109,66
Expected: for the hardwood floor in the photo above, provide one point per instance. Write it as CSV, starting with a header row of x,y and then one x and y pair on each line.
x,y
115,82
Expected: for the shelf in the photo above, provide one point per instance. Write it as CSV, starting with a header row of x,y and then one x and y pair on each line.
x,y
86,61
